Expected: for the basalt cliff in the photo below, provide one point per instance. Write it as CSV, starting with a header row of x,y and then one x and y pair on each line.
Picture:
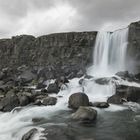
x,y
60,53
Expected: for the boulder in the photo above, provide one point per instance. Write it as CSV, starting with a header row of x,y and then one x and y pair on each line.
x,y
115,99
62,79
8,103
30,134
40,86
100,104
137,76
38,120
85,114
133,94
102,81
24,100
26,77
82,81
53,88
49,101
126,75
88,76
130,93
78,99
59,132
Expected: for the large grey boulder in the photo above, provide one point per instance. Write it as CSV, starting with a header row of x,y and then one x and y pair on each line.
x,y
85,114
78,99
8,103
53,88
115,99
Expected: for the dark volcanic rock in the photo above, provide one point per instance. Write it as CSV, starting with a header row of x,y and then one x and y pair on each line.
x,y
133,94
85,114
8,103
29,135
130,93
53,88
38,120
58,132
100,104
102,81
26,77
49,101
115,99
24,100
126,75
78,99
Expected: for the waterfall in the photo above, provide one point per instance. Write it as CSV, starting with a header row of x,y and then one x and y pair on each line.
x,y
110,52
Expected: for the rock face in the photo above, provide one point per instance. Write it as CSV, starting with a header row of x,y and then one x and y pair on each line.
x,y
134,45
78,99
60,53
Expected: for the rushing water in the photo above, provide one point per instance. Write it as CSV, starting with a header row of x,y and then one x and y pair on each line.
x,y
110,52
113,123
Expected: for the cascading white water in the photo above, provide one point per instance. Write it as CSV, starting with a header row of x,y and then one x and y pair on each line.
x,y
110,52
109,57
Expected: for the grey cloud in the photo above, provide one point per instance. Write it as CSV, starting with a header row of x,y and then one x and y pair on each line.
x,y
30,16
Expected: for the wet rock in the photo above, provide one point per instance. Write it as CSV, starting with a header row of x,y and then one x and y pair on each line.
x,y
26,77
58,132
78,99
11,92
53,88
30,134
49,101
137,76
8,103
41,83
85,114
62,79
133,94
100,104
81,81
126,75
123,74
24,100
38,120
25,97
115,99
37,102
102,81
88,77
41,96
17,109
130,93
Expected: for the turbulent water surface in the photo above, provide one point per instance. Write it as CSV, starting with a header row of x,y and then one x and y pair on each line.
x,y
113,123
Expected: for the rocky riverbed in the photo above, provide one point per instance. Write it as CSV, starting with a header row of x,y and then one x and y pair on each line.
x,y
58,107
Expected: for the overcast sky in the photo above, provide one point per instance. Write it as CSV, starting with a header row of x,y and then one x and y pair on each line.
x,y
40,17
